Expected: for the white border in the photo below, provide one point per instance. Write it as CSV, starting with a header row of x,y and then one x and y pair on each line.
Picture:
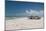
x,y
44,15
2,14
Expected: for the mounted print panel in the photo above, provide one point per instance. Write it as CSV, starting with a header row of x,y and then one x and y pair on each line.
x,y
20,15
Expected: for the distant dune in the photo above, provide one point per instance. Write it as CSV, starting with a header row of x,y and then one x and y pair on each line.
x,y
24,23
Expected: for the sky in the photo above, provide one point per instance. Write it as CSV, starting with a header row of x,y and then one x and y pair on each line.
x,y
17,8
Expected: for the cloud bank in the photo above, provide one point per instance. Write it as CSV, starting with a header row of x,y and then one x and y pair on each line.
x,y
34,12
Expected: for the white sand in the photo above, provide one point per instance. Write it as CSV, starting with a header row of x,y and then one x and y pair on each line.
x,y
23,23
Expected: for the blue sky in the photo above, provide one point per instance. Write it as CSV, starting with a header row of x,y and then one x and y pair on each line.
x,y
15,8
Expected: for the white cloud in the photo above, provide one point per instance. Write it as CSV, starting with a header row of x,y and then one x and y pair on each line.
x,y
34,12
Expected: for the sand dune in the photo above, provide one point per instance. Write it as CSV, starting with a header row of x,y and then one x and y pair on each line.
x,y
23,23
